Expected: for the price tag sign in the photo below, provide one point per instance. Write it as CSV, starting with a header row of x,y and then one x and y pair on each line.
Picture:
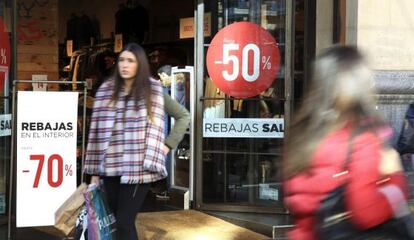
x,y
69,48
39,86
243,59
118,43
46,155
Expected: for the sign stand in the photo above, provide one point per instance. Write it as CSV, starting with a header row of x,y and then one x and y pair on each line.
x,y
14,112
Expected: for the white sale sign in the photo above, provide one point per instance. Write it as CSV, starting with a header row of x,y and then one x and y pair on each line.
x,y
46,155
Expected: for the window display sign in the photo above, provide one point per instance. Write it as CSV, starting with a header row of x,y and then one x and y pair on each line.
x,y
243,127
243,59
46,155
187,26
268,192
5,125
4,54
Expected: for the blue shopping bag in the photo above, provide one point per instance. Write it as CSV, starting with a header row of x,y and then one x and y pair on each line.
x,y
101,221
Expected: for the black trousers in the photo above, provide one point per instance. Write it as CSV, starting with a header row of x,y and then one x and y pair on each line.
x,y
124,205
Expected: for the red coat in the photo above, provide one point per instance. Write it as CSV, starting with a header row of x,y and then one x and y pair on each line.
x,y
369,206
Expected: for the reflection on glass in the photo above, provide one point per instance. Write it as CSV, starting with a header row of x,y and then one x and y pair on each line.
x,y
180,88
247,171
242,178
5,117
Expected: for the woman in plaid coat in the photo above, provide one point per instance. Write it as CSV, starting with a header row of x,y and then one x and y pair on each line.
x,y
126,140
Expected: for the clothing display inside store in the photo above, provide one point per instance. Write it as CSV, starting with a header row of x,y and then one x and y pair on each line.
x,y
82,29
161,55
215,106
95,62
92,64
131,20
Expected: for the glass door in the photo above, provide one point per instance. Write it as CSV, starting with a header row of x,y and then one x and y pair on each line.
x,y
5,114
244,173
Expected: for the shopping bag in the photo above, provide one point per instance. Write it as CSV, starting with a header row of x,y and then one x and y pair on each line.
x,y
81,230
65,216
101,221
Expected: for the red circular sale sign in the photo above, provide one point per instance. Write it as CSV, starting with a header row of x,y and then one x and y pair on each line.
x,y
4,45
4,56
243,59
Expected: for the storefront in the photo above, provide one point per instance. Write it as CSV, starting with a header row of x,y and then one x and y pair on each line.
x,y
241,172
235,173
229,173
222,170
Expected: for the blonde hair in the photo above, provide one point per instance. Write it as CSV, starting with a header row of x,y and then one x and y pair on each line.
x,y
341,90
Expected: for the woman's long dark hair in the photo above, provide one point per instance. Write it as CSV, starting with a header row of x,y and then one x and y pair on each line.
x,y
141,87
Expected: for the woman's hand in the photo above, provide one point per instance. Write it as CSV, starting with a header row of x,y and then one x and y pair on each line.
x,y
95,180
166,149
390,162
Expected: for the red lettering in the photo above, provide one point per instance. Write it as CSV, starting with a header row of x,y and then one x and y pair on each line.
x,y
29,31
188,28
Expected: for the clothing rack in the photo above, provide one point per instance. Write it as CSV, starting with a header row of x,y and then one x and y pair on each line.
x,y
87,62
106,45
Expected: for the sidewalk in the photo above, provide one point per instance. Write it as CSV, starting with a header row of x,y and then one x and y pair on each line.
x,y
159,207
44,233
189,225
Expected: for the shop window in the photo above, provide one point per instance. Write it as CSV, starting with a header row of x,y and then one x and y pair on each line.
x,y
247,170
5,104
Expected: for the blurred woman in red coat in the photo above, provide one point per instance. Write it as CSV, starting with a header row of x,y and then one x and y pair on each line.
x,y
341,101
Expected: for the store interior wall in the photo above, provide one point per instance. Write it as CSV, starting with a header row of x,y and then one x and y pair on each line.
x,y
37,40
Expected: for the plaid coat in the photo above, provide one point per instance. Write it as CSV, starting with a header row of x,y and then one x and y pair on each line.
x,y
137,157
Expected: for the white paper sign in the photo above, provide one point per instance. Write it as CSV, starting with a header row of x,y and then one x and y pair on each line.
x,y
5,125
46,155
39,86
266,192
243,127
